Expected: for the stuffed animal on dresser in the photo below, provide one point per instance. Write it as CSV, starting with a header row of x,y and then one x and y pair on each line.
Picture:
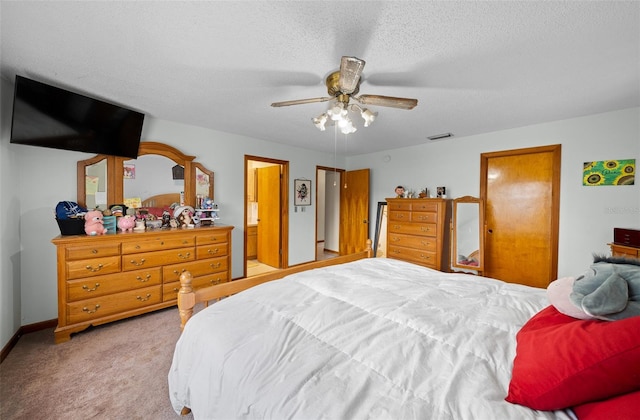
x,y
94,223
126,223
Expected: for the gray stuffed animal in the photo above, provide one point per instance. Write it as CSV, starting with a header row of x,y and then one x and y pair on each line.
x,y
610,289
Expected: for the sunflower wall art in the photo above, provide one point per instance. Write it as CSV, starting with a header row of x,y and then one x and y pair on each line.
x,y
609,172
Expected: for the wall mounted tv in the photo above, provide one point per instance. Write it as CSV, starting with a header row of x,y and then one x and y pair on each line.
x,y
48,116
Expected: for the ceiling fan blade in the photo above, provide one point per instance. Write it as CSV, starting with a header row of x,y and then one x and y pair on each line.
x,y
350,71
389,101
302,101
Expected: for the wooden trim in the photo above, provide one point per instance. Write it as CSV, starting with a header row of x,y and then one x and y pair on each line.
x,y
25,329
188,298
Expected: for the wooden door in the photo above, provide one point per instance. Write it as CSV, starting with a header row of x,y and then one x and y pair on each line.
x,y
269,212
354,211
521,191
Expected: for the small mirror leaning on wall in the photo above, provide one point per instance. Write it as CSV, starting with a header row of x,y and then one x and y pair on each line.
x,y
467,234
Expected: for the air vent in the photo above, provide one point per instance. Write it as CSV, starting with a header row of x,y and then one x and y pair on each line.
x,y
440,136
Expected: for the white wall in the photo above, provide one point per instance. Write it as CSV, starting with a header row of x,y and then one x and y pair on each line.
x,y
587,214
10,288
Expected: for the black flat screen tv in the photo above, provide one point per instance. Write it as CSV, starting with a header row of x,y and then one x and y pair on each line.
x,y
48,116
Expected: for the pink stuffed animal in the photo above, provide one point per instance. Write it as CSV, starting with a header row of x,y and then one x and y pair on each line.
x,y
93,223
126,223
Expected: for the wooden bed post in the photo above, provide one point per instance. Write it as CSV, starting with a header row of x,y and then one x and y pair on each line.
x,y
186,298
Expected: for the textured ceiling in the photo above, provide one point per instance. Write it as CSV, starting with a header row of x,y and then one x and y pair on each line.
x,y
475,67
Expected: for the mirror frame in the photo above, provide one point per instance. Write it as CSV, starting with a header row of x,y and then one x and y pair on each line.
x,y
454,234
115,176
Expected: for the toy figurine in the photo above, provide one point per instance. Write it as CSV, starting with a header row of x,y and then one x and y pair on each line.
x,y
166,218
399,191
94,223
140,226
126,223
207,203
184,216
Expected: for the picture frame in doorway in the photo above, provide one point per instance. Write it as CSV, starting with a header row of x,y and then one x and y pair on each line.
x,y
302,192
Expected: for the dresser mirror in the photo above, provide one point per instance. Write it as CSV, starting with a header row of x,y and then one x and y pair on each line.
x,y
161,172
467,232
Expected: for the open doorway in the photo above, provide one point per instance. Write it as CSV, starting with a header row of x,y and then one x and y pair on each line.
x,y
342,213
266,215
328,212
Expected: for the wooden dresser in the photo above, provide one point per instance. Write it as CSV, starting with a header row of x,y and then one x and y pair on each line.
x,y
418,231
110,277
618,250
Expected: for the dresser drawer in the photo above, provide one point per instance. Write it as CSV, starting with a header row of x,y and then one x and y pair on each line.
x,y
157,258
424,217
427,243
425,206
92,251
426,258
116,303
94,267
157,244
212,238
213,250
170,290
197,268
112,283
401,205
624,251
423,229
400,216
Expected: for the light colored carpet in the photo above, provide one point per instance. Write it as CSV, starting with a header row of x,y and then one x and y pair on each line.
x,y
114,371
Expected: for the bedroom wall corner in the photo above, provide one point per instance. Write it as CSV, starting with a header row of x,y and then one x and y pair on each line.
x,y
10,308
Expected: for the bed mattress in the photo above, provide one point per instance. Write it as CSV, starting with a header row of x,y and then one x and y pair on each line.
x,y
374,339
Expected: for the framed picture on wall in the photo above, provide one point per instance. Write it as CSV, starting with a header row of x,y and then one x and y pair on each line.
x,y
302,192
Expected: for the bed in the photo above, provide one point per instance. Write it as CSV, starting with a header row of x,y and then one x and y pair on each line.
x,y
373,338
161,200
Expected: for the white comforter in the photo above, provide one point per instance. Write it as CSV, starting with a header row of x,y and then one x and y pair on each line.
x,y
374,339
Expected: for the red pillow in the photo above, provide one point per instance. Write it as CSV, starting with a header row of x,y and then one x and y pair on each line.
x,y
562,361
622,407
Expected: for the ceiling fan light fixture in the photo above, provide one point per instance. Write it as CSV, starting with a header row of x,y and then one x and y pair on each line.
x,y
337,112
346,126
320,121
368,116
350,71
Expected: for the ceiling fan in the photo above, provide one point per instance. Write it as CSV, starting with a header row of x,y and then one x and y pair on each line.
x,y
342,86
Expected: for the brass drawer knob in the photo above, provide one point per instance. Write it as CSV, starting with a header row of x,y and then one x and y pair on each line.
x,y
138,263
92,289
213,251
184,257
145,279
143,299
91,311
94,269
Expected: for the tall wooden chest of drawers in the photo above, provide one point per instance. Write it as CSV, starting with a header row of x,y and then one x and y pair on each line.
x,y
110,277
418,231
